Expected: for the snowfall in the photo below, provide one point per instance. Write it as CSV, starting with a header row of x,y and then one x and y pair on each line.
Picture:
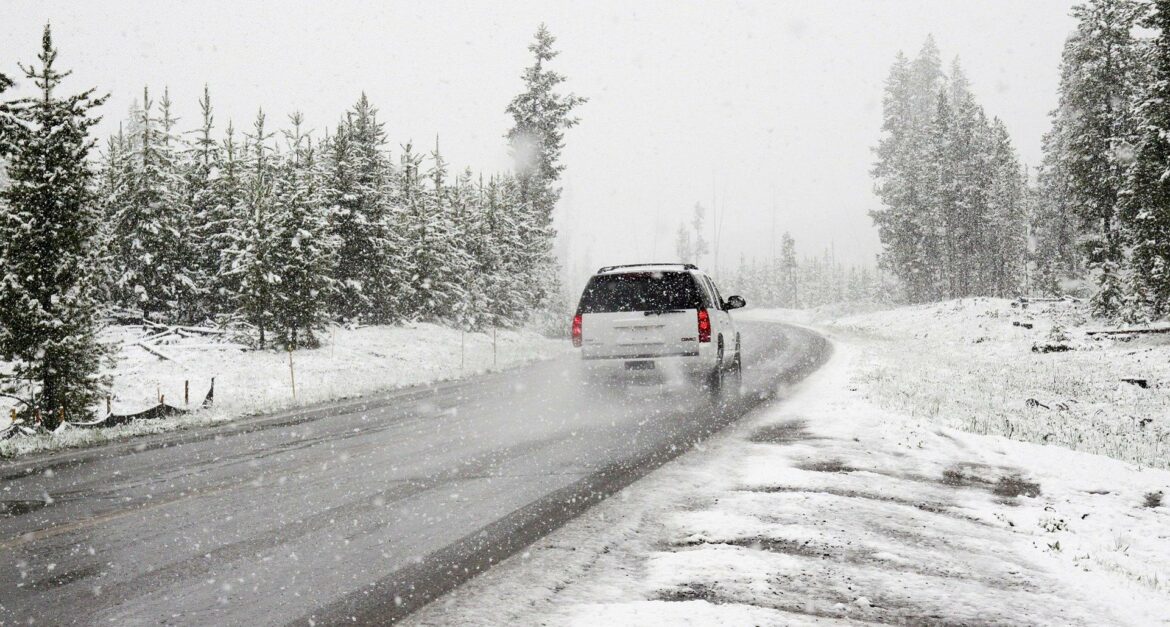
x,y
925,475
177,367
969,462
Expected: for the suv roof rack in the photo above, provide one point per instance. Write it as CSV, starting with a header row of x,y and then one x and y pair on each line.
x,y
687,266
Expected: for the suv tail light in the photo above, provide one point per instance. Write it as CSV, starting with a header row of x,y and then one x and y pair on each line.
x,y
704,326
577,330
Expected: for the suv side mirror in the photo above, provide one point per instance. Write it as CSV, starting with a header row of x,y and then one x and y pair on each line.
x,y
734,302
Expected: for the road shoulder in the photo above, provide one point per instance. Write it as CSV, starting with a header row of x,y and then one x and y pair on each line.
x,y
824,508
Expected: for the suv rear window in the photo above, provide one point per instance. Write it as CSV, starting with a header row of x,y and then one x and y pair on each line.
x,y
640,291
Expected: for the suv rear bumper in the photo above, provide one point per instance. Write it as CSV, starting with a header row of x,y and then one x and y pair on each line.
x,y
658,368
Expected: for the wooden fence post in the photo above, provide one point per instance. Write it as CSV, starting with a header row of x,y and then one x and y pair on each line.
x,y
292,374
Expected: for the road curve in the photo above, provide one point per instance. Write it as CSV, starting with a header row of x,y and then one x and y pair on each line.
x,y
356,511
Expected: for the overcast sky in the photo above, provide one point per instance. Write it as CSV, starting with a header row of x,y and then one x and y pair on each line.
x,y
769,108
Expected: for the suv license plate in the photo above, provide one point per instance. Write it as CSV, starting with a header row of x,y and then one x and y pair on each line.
x,y
639,365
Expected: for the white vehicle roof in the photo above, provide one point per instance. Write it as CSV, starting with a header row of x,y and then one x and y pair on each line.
x,y
649,267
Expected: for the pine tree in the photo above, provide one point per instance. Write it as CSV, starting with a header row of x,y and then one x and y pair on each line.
x,y
224,220
208,224
952,215
414,200
448,293
110,181
150,220
49,217
1088,146
510,302
540,116
302,249
789,295
359,189
470,234
188,299
1054,226
908,229
1147,208
251,262
437,257
1006,242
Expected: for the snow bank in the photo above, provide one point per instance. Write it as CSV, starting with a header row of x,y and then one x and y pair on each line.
x,y
970,364
827,509
352,362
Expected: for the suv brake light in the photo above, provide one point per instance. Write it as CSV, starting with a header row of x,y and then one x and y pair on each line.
x,y
704,326
577,330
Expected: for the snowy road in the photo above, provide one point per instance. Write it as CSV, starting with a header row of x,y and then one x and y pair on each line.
x,y
362,511
826,509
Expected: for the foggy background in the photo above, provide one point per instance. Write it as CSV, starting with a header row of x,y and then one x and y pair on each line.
x,y
769,110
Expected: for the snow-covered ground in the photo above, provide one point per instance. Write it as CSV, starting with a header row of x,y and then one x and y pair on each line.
x,y
970,364
351,362
836,505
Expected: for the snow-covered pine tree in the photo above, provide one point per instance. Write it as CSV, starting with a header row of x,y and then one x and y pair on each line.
x,y
471,235
906,224
423,233
511,302
111,170
789,294
218,229
1053,225
151,219
302,249
358,186
249,256
1092,129
540,116
941,190
969,156
467,236
188,279
49,313
207,224
431,244
938,171
1006,241
1147,209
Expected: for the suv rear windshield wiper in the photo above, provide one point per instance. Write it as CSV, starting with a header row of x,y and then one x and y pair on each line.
x,y
663,311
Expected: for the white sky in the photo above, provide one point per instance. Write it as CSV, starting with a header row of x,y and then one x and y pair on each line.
x,y
760,103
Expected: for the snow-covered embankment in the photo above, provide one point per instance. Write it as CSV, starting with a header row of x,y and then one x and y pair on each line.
x,y
351,362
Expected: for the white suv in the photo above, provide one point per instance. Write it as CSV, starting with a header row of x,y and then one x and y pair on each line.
x,y
666,320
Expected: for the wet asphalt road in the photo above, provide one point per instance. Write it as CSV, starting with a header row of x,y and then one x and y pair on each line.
x,y
356,511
